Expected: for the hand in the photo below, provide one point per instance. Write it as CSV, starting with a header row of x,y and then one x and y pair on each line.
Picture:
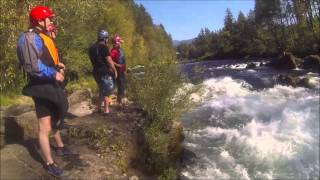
x,y
117,65
61,71
61,66
59,77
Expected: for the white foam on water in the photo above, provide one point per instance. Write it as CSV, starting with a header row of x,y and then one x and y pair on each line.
x,y
215,87
268,134
233,66
251,71
238,66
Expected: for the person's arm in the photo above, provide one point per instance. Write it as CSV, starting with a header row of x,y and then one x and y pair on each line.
x,y
112,65
45,71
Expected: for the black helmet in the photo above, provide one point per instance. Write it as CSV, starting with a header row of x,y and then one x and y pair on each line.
x,y
103,34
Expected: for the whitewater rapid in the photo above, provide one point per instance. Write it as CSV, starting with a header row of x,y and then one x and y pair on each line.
x,y
237,132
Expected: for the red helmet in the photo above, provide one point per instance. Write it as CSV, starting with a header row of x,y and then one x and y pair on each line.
x,y
39,13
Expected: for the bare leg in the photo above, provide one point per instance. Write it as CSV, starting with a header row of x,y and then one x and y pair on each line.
x,y
44,131
58,139
106,105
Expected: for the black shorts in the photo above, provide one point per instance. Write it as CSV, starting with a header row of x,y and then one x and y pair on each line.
x,y
44,108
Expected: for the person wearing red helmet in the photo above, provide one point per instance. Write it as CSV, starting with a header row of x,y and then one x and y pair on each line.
x,y
118,56
38,55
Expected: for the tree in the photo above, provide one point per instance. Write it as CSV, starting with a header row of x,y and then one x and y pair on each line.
x,y
273,27
228,21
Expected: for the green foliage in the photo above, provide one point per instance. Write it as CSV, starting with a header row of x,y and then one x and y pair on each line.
x,y
73,132
155,92
169,174
82,83
99,138
78,23
7,100
11,22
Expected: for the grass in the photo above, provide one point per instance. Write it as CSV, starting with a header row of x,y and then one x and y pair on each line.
x,y
11,99
6,100
82,83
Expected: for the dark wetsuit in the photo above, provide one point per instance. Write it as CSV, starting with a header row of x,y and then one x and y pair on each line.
x,y
102,72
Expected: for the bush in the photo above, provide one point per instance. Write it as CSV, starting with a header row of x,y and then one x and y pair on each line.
x,y
169,174
154,92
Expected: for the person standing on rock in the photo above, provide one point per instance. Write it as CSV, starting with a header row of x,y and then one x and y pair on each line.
x,y
118,57
104,71
38,56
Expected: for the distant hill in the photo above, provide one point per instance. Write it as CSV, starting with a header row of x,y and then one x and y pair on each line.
x,y
178,42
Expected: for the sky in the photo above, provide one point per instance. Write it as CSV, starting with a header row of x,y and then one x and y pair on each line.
x,y
183,19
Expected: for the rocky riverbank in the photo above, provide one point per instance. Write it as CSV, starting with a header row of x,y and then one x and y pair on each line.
x,y
105,147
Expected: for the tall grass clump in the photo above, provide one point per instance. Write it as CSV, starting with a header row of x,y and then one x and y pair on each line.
x,y
154,92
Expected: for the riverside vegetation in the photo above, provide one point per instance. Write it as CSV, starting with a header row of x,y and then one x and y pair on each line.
x,y
145,44
273,27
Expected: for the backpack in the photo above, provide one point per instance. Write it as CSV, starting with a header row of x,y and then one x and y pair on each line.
x,y
27,52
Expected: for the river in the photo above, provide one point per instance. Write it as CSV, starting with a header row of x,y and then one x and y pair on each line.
x,y
245,125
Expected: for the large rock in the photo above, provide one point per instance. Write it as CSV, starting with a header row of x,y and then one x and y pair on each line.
x,y
18,122
295,81
21,127
251,66
16,110
308,82
289,80
81,109
80,103
287,61
79,96
104,147
20,162
311,62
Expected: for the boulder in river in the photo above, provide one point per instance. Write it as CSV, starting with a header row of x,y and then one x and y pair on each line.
x,y
287,61
289,80
296,81
251,66
308,82
311,62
